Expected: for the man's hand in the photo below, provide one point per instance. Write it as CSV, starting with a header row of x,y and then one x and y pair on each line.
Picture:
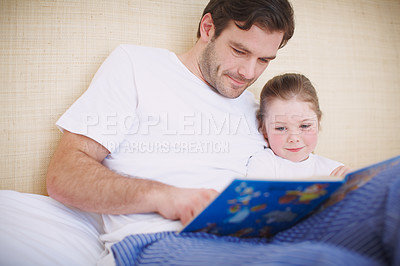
x,y
76,177
340,171
184,203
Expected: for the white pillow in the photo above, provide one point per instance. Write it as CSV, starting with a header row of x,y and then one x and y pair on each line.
x,y
37,230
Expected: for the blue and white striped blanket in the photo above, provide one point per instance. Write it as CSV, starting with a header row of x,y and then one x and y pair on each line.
x,y
362,229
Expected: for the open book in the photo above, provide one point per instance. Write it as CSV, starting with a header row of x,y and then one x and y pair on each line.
x,y
250,208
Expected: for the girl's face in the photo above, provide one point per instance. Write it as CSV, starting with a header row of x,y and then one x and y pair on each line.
x,y
291,128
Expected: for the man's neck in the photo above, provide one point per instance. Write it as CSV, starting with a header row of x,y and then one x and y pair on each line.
x,y
191,60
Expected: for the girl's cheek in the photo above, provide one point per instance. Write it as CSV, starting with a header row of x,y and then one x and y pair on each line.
x,y
311,138
277,140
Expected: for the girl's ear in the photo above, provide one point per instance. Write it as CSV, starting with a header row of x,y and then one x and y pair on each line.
x,y
207,28
264,132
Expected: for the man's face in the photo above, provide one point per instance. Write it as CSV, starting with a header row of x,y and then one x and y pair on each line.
x,y
234,60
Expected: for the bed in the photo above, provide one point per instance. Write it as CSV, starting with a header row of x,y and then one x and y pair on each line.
x,y
50,52
359,230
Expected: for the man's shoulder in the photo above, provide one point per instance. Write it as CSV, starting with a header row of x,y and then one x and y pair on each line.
x,y
147,57
141,50
249,102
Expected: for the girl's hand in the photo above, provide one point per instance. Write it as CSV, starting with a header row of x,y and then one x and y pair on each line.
x,y
340,171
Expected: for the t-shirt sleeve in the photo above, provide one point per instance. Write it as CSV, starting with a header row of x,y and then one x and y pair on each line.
x,y
261,165
324,166
106,112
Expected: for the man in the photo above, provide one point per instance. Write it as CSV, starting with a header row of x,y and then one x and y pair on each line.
x,y
156,136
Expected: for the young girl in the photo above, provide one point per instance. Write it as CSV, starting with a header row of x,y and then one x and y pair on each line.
x,y
289,118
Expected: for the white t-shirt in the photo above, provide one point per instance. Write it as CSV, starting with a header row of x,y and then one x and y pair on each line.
x,y
265,164
161,122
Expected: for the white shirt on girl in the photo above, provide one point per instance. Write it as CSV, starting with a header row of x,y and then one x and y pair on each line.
x,y
266,165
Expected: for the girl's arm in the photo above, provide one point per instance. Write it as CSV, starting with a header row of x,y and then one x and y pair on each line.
x,y
340,171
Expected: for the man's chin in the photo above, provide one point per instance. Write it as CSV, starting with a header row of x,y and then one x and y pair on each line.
x,y
231,96
231,93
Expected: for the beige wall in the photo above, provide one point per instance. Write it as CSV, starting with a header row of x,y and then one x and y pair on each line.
x,y
351,51
50,50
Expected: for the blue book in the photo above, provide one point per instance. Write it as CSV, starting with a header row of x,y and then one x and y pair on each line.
x,y
262,208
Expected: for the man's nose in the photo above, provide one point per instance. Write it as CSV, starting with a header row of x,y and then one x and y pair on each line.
x,y
248,69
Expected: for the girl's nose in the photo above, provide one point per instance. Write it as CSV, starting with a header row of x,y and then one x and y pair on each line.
x,y
294,137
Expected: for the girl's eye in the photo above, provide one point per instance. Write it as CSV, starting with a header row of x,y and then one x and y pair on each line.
x,y
305,126
280,128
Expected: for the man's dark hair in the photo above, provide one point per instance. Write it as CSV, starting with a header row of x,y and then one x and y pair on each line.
x,y
273,15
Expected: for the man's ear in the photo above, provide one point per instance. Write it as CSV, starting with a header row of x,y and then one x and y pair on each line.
x,y
207,28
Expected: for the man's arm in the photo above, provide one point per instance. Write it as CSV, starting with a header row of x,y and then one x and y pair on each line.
x,y
76,177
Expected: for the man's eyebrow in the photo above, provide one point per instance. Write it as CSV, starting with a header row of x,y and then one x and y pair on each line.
x,y
240,46
244,49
